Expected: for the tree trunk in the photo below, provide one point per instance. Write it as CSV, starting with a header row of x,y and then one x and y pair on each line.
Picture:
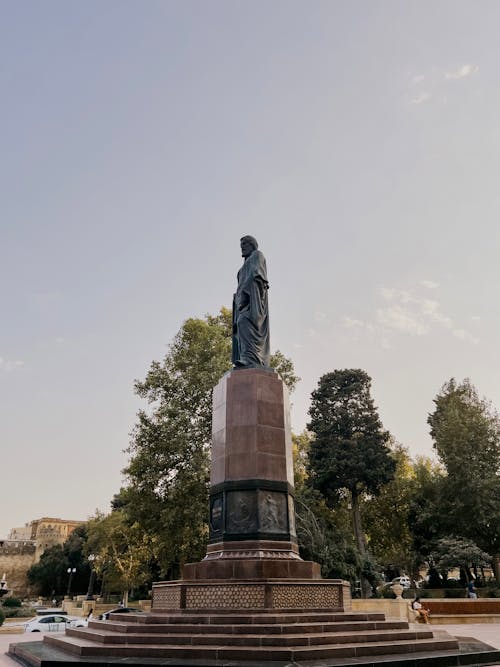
x,y
496,567
359,536
125,598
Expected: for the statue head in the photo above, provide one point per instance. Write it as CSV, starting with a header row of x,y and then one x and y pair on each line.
x,y
248,245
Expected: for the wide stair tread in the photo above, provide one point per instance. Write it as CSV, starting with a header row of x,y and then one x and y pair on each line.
x,y
85,647
250,617
249,639
273,628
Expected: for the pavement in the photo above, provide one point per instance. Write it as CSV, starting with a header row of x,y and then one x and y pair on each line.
x,y
489,633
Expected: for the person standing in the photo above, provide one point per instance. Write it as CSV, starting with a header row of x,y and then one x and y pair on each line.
x,y
471,590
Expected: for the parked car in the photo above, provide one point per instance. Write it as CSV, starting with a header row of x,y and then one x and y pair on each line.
x,y
49,623
121,610
79,623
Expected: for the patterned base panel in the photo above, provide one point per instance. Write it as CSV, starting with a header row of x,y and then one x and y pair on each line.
x,y
244,595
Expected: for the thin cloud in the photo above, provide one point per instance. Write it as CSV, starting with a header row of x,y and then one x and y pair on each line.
x,y
429,284
7,366
407,312
319,316
421,98
418,78
351,323
465,335
462,72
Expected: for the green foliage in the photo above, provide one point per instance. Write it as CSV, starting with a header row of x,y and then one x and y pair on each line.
x,y
76,557
325,535
425,516
11,602
300,452
451,552
19,612
465,430
466,434
168,470
48,576
122,551
385,516
349,450
349,453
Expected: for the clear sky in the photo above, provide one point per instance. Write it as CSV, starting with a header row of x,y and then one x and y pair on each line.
x,y
358,141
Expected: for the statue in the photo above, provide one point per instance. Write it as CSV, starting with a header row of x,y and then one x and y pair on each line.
x,y
250,310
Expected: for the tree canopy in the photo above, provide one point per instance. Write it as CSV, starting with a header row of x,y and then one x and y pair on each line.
x,y
466,434
349,452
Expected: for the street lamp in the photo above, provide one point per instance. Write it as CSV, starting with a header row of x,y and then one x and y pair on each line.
x,y
71,571
91,558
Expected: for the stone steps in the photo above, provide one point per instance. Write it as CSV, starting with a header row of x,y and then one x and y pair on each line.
x,y
249,640
85,648
272,629
248,617
292,636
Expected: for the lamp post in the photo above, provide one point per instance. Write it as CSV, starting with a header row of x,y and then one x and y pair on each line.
x,y
71,571
91,558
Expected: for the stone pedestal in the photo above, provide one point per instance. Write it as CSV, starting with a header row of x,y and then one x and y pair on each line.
x,y
252,557
251,494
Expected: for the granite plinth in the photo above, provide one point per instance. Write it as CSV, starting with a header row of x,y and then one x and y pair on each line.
x,y
232,569
251,492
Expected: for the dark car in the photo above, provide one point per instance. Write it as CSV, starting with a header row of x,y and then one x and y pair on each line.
x,y
121,610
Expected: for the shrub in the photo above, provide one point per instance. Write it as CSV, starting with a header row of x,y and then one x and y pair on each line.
x,y
19,612
11,602
387,592
454,592
492,592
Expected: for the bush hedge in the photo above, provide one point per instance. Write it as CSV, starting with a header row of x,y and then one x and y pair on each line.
x,y
11,602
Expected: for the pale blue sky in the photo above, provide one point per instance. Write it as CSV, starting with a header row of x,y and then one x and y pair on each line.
x,y
358,141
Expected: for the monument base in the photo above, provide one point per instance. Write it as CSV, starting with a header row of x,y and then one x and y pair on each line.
x,y
252,594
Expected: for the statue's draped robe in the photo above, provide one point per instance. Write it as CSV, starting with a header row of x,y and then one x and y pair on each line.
x,y
251,314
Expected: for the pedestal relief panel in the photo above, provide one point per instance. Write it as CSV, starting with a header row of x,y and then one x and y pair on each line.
x,y
241,512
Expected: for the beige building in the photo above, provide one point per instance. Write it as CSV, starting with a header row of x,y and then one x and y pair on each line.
x,y
26,544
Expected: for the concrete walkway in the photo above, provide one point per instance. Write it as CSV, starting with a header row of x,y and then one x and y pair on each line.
x,y
489,633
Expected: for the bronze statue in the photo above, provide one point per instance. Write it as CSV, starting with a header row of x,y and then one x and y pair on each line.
x,y
250,310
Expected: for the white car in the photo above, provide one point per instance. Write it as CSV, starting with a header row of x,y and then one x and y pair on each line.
x,y
49,623
79,622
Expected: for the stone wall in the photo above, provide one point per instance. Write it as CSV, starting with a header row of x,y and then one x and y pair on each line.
x,y
16,557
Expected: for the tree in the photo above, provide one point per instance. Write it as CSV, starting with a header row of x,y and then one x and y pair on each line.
x,y
349,452
49,574
168,471
466,434
425,515
465,429
74,551
121,551
324,535
385,517
459,552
